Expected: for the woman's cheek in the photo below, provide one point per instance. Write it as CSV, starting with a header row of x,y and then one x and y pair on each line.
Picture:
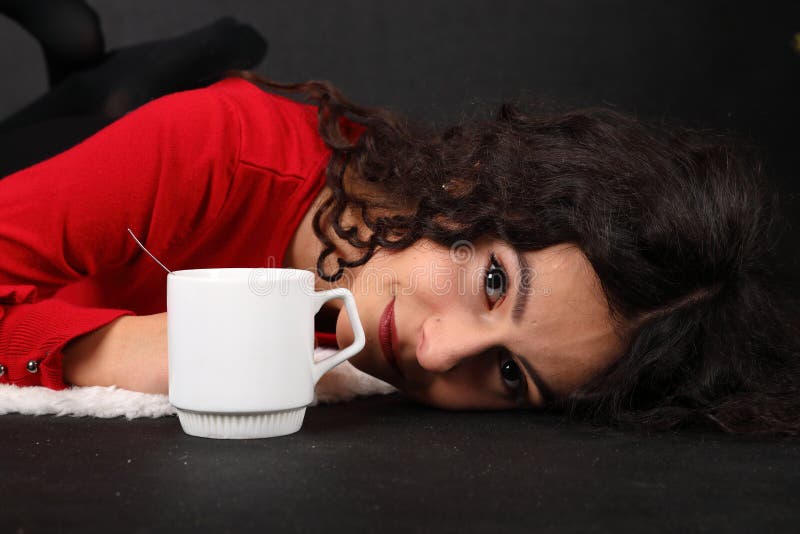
x,y
344,330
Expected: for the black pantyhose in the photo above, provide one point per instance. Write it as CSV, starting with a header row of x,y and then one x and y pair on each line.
x,y
67,30
93,90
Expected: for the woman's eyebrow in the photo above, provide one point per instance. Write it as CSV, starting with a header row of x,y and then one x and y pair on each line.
x,y
522,286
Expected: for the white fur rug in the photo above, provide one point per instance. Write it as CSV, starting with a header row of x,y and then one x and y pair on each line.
x,y
342,383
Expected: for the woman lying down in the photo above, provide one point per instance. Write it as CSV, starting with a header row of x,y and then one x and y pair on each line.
x,y
582,262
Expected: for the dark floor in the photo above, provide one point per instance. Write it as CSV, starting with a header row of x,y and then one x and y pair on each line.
x,y
384,464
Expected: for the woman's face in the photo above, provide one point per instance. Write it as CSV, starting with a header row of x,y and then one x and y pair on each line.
x,y
479,327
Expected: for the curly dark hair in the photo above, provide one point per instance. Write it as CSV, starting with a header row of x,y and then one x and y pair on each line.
x,y
680,225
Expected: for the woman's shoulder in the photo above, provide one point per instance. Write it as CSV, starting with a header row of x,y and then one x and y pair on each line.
x,y
246,91
276,132
258,104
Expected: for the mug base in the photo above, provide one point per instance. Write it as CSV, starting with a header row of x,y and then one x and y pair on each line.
x,y
241,425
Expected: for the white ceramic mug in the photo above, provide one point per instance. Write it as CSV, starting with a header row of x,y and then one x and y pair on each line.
x,y
241,349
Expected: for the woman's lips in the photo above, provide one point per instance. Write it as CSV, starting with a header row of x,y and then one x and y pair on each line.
x,y
387,334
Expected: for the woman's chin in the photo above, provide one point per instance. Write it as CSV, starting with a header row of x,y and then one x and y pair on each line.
x,y
361,361
364,362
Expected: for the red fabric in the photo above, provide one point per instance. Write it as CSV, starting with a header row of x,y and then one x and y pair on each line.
x,y
327,339
213,177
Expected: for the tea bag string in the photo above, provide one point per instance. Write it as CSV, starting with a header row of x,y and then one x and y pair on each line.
x,y
148,252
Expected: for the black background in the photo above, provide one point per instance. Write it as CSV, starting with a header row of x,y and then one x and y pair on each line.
x,y
710,64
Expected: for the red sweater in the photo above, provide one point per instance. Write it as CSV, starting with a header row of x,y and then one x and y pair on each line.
x,y
213,177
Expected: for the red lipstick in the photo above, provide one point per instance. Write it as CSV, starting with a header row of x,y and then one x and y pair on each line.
x,y
387,334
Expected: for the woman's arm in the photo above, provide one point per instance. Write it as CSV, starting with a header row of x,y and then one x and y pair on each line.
x,y
164,170
130,353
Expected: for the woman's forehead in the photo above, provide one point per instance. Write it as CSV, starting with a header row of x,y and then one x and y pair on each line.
x,y
564,268
567,329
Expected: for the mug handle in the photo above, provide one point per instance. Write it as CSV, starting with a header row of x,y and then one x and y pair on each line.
x,y
320,368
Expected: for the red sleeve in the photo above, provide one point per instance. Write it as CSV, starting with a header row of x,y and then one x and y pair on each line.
x,y
164,170
326,339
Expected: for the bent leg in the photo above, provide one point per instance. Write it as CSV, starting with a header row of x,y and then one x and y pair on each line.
x,y
32,143
90,99
131,76
67,30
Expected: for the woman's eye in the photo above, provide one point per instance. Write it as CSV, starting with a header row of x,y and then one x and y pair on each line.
x,y
513,378
495,282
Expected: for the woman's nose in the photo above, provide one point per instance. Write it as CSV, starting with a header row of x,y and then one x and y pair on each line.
x,y
443,345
